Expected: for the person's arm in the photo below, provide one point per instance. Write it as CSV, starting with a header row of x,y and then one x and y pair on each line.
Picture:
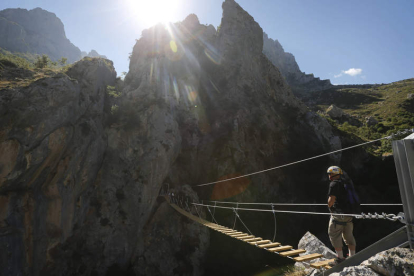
x,y
331,201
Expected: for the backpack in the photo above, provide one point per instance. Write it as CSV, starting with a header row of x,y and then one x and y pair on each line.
x,y
354,205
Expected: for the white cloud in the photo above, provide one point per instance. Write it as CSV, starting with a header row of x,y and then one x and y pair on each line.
x,y
353,71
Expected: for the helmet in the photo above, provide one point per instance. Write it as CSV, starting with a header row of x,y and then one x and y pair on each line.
x,y
334,170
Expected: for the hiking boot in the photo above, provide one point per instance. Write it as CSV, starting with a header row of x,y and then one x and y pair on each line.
x,y
336,261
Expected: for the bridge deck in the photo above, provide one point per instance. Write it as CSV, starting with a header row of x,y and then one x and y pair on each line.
x,y
275,247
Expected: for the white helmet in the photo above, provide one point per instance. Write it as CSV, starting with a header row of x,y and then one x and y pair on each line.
x,y
334,170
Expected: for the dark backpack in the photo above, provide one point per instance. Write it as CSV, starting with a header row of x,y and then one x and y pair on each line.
x,y
354,205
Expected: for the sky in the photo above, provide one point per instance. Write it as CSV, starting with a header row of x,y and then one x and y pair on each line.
x,y
348,42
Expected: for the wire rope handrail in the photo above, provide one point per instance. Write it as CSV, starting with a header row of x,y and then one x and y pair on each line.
x,y
361,216
310,158
300,204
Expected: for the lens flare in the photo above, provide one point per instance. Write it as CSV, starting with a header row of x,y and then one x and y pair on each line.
x,y
192,96
231,188
173,46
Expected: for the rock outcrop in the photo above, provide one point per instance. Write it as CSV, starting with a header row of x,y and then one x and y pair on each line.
x,y
36,31
396,261
299,81
392,262
81,171
92,53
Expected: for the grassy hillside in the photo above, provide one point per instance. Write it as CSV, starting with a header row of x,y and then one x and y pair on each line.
x,y
392,105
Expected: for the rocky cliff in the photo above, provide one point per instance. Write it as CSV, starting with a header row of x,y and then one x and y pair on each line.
x,y
81,170
92,53
299,81
36,31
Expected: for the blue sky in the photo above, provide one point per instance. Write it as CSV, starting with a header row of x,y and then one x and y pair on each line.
x,y
348,42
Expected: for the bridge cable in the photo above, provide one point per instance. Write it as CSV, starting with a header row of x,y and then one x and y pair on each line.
x,y
302,204
310,158
197,212
274,216
391,217
235,218
212,216
238,216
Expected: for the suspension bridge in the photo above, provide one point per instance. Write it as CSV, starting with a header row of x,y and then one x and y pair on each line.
x,y
403,237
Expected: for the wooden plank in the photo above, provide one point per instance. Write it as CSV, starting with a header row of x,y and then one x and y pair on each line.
x,y
239,235
321,263
260,242
254,239
327,267
228,231
270,245
292,252
308,257
235,234
245,237
280,248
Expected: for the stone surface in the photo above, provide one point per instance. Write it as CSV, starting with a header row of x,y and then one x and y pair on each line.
x,y
334,112
393,262
286,63
36,31
92,53
371,121
356,271
312,244
79,194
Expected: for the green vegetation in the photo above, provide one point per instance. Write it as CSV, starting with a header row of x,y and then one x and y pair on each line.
x,y
114,109
11,60
113,92
392,105
42,62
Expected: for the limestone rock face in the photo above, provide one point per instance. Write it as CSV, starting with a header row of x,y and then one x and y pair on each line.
x,y
52,144
396,261
81,172
212,106
286,63
36,31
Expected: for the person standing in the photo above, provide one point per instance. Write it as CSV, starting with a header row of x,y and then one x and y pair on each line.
x,y
340,226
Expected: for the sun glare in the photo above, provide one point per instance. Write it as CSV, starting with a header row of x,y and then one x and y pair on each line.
x,y
151,12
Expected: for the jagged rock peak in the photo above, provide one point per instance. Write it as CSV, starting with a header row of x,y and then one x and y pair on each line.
x,y
286,63
240,30
36,31
92,53
191,22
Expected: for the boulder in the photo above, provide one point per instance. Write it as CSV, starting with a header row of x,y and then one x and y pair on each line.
x,y
393,262
335,112
312,244
356,271
371,121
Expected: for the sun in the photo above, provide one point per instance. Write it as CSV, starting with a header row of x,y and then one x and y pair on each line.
x,y
151,12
